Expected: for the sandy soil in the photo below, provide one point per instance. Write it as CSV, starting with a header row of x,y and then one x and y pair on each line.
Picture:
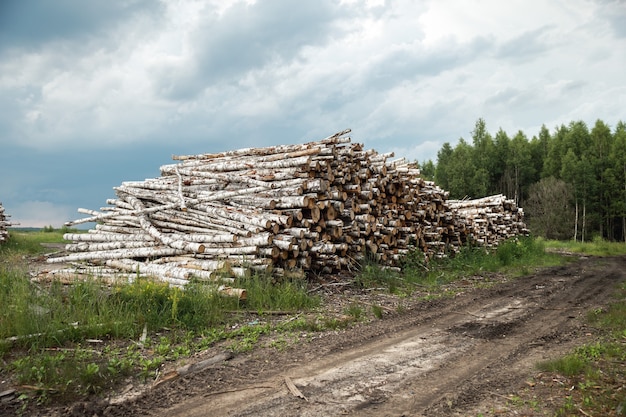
x,y
456,356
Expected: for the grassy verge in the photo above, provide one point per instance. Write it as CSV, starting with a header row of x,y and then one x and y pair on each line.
x,y
596,247
593,376
515,257
62,342
29,242
591,379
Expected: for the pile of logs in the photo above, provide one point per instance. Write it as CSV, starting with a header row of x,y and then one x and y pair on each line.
x,y
4,224
490,220
316,207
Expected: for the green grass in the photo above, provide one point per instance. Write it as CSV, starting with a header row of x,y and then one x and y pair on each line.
x,y
286,295
44,327
29,242
568,365
596,247
355,311
515,257
63,316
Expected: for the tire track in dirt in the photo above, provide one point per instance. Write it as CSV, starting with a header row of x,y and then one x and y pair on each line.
x,y
437,362
444,357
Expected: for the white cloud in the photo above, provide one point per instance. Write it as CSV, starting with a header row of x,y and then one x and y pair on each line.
x,y
420,152
202,75
204,66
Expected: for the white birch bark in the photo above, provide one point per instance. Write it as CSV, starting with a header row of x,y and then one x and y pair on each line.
x,y
147,252
235,250
214,227
154,232
281,149
216,176
105,246
255,219
164,271
107,237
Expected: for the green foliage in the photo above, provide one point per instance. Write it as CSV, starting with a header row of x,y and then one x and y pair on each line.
x,y
521,251
157,304
444,162
427,170
465,179
24,243
590,163
613,318
70,372
373,275
29,242
247,337
377,311
549,208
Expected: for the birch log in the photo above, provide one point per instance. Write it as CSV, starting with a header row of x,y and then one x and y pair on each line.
x,y
318,206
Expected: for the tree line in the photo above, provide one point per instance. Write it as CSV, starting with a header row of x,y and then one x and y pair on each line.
x,y
571,182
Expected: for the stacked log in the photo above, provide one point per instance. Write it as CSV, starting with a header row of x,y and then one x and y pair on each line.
x,y
315,207
490,220
4,224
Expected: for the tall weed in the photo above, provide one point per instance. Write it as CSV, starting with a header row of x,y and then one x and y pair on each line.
x,y
264,294
510,256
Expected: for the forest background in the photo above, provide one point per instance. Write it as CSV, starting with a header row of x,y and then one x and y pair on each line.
x,y
571,182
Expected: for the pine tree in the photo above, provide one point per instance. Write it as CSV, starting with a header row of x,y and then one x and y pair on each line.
x,y
617,157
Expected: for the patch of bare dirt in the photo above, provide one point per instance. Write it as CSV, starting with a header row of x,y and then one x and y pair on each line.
x,y
447,357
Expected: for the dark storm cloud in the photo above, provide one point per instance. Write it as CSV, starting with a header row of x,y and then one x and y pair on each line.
x,y
414,62
31,23
250,36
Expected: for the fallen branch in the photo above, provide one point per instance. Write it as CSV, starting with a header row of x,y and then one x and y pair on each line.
x,y
226,391
193,368
293,389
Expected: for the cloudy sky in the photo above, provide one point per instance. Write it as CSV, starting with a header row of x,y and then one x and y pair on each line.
x,y
93,93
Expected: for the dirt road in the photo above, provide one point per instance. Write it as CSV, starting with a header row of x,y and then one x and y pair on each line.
x,y
447,357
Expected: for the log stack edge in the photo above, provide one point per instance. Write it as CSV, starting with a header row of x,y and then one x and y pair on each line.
x,y
4,224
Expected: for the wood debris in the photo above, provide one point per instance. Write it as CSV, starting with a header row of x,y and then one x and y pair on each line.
x,y
317,207
293,389
193,368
